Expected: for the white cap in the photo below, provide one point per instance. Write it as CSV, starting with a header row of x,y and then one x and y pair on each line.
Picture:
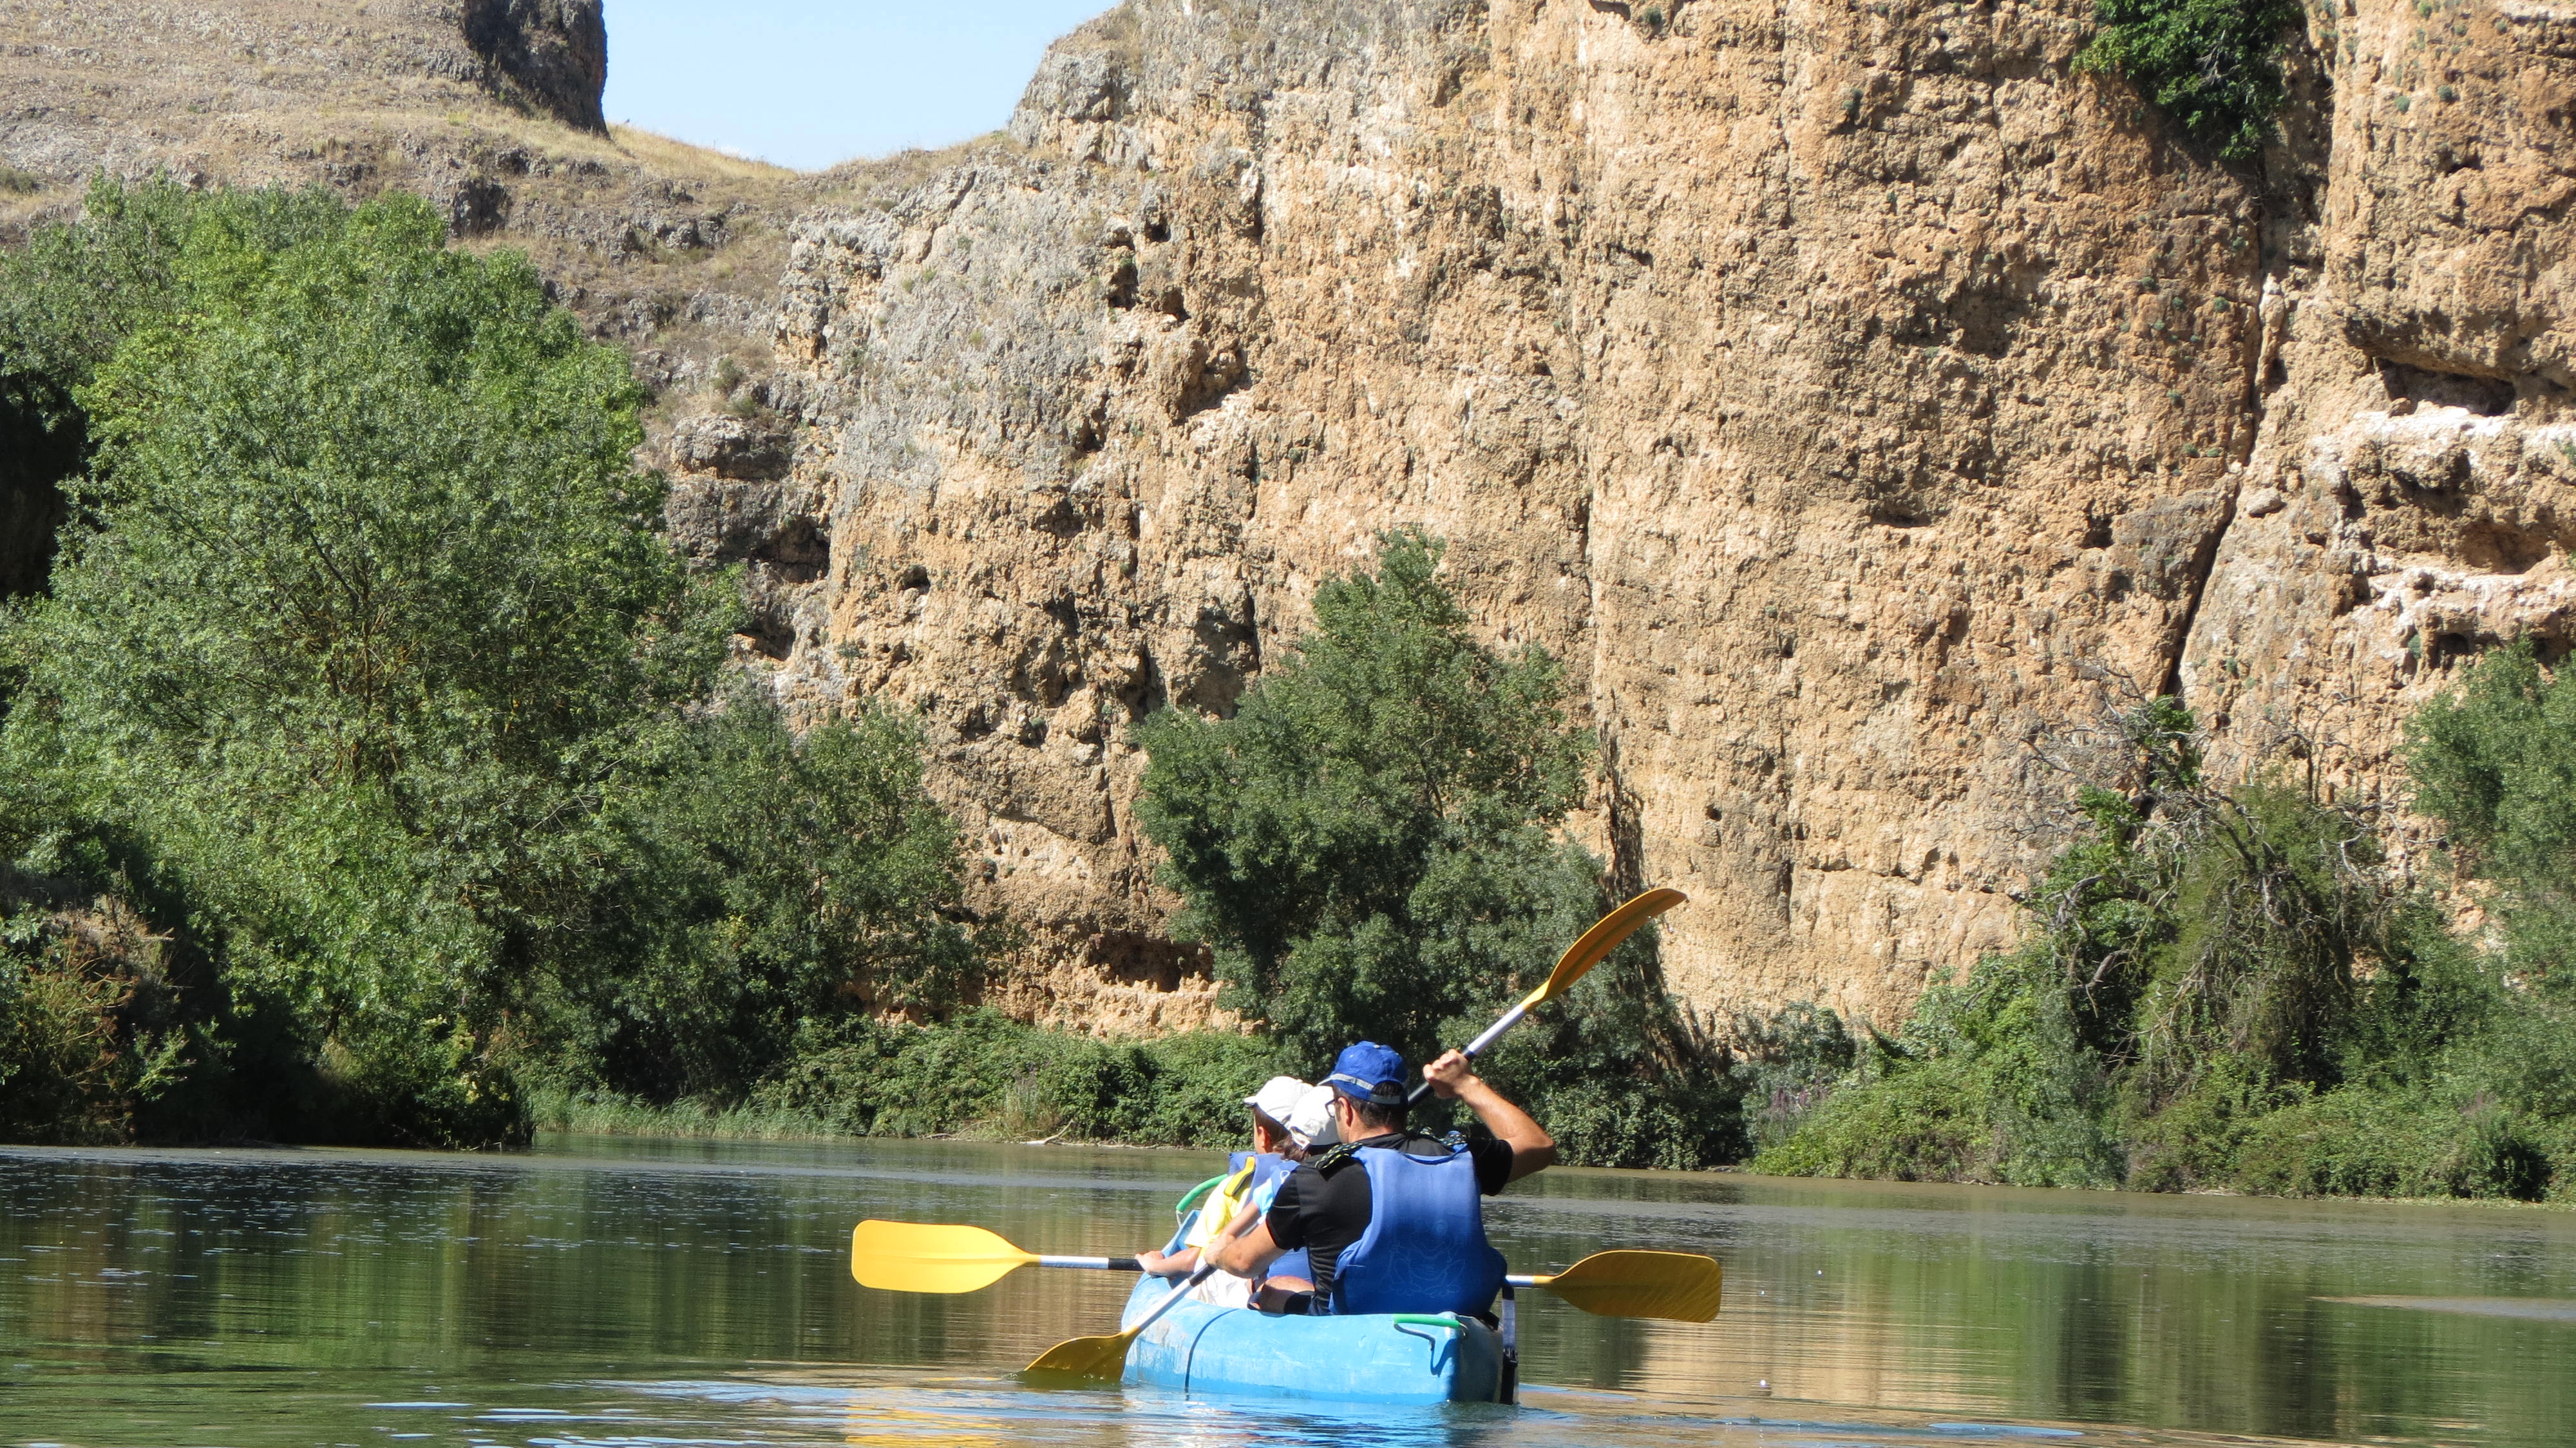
x,y
1277,1097
1312,1121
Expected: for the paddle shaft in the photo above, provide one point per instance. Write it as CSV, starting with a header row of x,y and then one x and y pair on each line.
x,y
1096,1264
1510,1019
1587,951
1206,1269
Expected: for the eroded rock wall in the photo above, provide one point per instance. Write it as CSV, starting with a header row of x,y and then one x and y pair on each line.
x,y
1848,394
2413,496
1851,394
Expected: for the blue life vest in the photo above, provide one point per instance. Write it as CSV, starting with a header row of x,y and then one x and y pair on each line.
x,y
1269,1169
1425,1247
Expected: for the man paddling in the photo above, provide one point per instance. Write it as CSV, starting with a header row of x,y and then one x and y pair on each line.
x,y
1391,1221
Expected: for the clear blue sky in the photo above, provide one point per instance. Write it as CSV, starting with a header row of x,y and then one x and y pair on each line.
x,y
807,83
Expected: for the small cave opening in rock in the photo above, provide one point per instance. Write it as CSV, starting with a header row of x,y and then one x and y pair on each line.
x,y
770,636
1131,958
2425,387
2496,548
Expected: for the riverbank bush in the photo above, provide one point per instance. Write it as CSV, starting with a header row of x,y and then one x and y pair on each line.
x,y
2231,988
978,1075
984,1073
84,1033
1369,844
364,660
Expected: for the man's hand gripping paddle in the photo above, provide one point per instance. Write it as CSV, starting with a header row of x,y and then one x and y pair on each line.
x,y
1577,962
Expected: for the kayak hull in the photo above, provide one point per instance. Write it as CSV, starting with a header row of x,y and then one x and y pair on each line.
x,y
1199,1348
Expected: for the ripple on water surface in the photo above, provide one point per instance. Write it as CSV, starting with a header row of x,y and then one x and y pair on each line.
x,y
604,1292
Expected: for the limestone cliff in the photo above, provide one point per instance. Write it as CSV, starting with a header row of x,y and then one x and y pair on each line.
x,y
1853,395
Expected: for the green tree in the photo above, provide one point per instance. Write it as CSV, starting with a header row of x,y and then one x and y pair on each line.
x,y
1369,844
372,681
366,675
2220,986
69,298
2496,763
780,884
2212,65
360,615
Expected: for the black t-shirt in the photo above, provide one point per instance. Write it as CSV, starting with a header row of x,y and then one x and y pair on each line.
x,y
1326,1212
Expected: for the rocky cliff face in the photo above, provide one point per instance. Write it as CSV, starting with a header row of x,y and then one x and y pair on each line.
x,y
548,55
1851,394
1854,397
2412,499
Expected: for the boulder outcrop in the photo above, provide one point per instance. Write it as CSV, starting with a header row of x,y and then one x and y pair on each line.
x,y
548,55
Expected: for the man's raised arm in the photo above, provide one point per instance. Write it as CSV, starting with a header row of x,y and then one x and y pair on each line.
x,y
1451,1077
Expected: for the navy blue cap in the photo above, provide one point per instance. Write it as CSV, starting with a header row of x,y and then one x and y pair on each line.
x,y
1369,1072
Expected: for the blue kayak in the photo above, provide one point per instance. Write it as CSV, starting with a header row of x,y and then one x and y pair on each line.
x,y
1200,1348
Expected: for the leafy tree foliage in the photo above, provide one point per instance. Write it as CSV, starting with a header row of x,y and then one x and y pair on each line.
x,y
364,662
1369,845
68,300
780,882
1372,826
2496,762
2213,65
2229,987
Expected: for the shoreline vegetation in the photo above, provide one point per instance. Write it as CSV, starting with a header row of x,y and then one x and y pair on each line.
x,y
372,772
2231,986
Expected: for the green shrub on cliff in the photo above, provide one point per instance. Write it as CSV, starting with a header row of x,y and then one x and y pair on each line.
x,y
2230,988
1368,844
2496,762
2212,65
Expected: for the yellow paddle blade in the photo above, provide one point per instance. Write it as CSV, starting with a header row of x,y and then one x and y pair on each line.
x,y
1674,1286
919,1257
1104,1358
1597,942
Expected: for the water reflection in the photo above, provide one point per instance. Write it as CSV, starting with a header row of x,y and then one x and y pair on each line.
x,y
615,1292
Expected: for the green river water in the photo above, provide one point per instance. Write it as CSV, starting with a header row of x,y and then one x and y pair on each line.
x,y
603,1291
